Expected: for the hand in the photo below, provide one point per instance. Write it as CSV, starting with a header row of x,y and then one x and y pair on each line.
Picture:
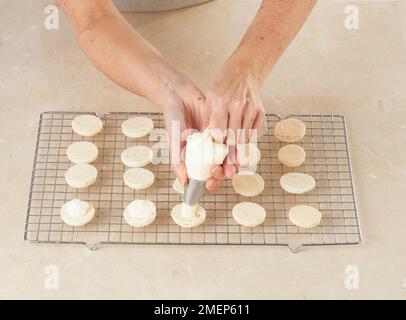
x,y
186,108
235,104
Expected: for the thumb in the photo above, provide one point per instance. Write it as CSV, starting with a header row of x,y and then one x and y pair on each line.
x,y
180,168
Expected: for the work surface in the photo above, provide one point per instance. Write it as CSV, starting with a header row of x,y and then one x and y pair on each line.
x,y
328,69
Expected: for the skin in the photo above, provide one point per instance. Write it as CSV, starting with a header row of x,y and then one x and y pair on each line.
x,y
233,102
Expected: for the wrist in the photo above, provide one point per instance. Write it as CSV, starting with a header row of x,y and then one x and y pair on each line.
x,y
163,84
239,67
173,86
176,88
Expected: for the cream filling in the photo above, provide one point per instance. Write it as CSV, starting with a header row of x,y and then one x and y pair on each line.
x,y
140,209
189,211
77,208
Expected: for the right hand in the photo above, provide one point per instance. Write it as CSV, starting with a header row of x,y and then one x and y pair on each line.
x,y
235,104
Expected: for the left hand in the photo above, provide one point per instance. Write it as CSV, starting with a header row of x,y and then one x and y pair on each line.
x,y
235,104
186,108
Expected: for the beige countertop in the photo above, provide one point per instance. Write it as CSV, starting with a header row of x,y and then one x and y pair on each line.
x,y
359,73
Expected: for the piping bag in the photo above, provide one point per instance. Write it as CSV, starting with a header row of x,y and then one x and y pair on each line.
x,y
202,152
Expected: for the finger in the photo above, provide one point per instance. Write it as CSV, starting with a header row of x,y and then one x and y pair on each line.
x,y
234,126
231,161
177,150
217,172
179,167
248,122
211,184
229,170
218,120
259,124
203,120
181,173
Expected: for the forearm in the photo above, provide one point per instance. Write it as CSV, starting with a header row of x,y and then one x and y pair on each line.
x,y
273,29
129,60
123,55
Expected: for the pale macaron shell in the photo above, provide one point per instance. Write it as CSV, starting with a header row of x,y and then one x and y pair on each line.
x,y
305,216
137,156
248,184
138,178
87,125
249,214
297,182
137,127
290,130
178,187
291,155
82,152
184,222
81,175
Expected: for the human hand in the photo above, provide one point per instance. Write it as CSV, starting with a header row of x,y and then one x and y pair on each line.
x,y
185,110
235,104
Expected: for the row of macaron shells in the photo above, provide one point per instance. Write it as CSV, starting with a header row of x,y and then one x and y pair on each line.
x,y
139,212
292,155
82,174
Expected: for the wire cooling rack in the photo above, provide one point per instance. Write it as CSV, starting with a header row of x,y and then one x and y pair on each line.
x,y
327,160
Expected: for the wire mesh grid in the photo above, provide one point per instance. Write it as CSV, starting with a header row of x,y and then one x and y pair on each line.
x,y
327,160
